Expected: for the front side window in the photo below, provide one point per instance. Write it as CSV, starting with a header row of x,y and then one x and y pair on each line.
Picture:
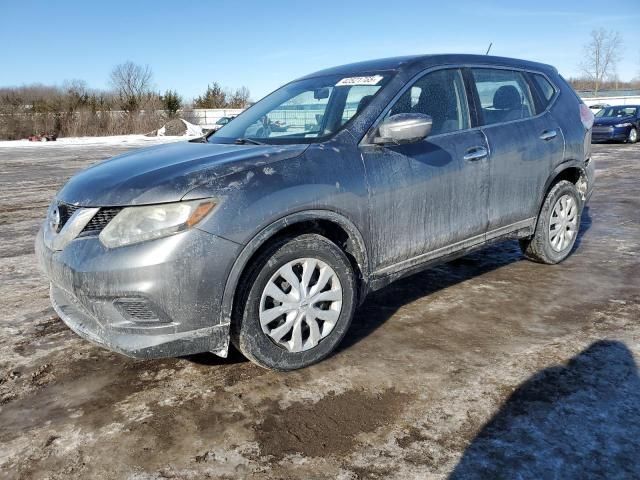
x,y
357,99
504,95
440,95
304,111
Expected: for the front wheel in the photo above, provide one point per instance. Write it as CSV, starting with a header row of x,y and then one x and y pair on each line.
x,y
633,136
557,226
296,303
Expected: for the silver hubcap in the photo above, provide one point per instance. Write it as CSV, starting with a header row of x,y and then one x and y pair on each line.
x,y
300,304
563,224
633,135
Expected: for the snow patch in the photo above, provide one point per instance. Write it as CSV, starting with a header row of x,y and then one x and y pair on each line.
x,y
125,140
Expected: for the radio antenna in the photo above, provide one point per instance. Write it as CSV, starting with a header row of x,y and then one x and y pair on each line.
x,y
489,49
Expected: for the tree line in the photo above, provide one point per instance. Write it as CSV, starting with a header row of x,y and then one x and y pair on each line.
x,y
130,105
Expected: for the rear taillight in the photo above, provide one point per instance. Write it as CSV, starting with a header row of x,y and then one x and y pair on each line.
x,y
586,116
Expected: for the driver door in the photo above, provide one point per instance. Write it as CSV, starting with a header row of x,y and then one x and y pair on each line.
x,y
429,197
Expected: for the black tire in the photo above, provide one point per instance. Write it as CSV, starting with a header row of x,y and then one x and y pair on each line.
x,y
246,332
633,135
538,247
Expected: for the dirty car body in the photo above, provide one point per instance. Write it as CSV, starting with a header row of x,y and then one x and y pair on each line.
x,y
501,133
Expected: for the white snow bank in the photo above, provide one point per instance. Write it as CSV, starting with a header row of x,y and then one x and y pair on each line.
x,y
133,140
192,130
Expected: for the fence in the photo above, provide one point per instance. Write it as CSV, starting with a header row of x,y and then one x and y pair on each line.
x,y
207,117
609,93
621,100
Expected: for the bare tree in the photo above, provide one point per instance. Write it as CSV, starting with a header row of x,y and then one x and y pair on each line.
x,y
239,98
132,83
75,94
602,54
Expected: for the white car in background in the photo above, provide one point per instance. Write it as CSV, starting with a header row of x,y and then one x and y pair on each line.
x,y
222,122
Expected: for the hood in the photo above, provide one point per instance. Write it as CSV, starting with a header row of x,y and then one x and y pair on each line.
x,y
612,120
165,173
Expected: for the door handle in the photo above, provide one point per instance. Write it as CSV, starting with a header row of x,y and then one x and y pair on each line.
x,y
548,135
475,153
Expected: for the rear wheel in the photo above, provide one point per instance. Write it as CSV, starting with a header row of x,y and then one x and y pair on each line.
x,y
633,135
295,305
557,227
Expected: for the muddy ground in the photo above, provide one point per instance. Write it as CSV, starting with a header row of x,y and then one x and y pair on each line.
x,y
488,367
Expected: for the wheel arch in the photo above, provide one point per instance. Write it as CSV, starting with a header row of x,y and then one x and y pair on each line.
x,y
330,224
572,171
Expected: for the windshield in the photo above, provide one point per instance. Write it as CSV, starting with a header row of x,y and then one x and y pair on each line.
x,y
304,111
617,112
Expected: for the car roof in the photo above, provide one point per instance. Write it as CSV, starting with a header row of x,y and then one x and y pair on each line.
x,y
420,62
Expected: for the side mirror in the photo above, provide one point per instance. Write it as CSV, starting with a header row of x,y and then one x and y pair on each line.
x,y
404,128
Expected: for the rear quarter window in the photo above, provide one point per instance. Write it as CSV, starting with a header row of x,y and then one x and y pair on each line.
x,y
545,88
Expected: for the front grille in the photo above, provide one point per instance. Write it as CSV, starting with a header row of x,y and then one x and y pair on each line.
x,y
65,213
602,129
137,310
100,220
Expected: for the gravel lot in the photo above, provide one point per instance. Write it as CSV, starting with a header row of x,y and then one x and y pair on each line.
x,y
488,367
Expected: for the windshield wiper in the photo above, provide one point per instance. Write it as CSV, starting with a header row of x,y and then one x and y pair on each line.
x,y
244,141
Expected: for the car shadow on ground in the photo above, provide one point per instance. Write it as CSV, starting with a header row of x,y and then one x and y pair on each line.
x,y
585,224
579,420
210,359
382,304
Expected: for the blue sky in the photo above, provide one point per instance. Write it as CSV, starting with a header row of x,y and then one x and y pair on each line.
x,y
262,44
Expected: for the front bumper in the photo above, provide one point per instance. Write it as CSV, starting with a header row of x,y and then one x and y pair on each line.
x,y
609,134
160,298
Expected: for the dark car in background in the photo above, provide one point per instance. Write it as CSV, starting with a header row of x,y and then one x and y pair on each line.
x,y
271,237
617,123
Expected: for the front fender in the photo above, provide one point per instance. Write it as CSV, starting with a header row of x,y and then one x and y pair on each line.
x,y
264,235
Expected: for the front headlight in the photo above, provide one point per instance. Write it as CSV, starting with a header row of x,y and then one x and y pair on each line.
x,y
137,224
622,125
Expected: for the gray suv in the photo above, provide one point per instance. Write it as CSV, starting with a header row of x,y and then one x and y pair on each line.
x,y
270,232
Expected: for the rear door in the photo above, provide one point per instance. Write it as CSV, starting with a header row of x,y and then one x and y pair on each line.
x,y
523,146
427,196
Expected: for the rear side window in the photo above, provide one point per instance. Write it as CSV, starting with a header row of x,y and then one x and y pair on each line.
x,y
504,95
440,95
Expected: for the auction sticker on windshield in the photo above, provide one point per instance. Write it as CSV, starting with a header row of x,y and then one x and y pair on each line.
x,y
350,81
